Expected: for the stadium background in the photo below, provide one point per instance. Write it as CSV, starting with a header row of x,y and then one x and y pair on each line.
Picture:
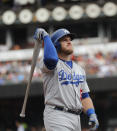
x,y
95,48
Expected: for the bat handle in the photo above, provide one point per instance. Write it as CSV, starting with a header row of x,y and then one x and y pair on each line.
x,y
91,124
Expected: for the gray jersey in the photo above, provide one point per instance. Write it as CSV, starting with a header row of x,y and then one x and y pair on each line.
x,y
63,86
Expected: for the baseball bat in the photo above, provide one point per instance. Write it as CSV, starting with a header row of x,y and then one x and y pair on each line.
x,y
33,64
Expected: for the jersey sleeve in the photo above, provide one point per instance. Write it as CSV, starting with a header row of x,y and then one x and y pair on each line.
x,y
43,67
85,87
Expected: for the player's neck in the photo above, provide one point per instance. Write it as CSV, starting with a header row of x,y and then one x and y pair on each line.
x,y
64,57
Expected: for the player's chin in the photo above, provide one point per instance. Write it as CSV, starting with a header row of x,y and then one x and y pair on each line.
x,y
69,52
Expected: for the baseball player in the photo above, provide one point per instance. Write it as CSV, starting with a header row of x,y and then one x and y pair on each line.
x,y
64,82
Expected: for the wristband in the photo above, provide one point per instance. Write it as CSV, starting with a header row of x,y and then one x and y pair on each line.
x,y
85,95
90,111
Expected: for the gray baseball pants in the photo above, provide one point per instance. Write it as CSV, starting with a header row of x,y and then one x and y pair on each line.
x,y
55,120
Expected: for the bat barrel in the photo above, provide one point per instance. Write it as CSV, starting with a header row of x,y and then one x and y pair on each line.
x,y
22,115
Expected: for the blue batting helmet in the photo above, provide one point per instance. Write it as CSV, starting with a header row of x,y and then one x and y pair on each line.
x,y
58,34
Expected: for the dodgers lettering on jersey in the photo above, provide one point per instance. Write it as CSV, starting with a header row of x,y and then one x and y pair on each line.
x,y
67,79
62,85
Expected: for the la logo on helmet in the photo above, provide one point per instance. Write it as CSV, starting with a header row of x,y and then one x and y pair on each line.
x,y
66,31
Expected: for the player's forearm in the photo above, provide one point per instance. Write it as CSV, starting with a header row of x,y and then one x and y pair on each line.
x,y
88,109
50,54
87,104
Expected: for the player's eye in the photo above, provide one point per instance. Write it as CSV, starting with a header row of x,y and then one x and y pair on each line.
x,y
67,39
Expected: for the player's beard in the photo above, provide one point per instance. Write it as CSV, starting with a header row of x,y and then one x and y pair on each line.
x,y
66,51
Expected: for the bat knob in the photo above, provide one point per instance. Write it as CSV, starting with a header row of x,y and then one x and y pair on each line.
x,y
91,124
22,115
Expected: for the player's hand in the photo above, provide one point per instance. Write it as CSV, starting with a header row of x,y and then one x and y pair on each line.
x,y
39,34
93,122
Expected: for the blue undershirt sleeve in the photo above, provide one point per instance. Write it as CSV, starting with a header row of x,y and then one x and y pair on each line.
x,y
50,53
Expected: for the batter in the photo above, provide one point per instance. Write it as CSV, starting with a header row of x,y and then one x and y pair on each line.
x,y
65,88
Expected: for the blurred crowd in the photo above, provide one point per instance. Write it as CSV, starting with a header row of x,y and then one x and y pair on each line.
x,y
17,71
95,65
98,64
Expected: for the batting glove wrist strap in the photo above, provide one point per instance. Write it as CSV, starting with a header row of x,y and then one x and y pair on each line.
x,y
90,111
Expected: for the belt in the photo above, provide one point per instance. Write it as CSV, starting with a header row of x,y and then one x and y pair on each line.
x,y
76,112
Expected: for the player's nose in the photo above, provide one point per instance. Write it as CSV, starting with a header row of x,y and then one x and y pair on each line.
x,y
69,42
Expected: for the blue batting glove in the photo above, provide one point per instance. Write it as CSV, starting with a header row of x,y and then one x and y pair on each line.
x,y
39,34
93,122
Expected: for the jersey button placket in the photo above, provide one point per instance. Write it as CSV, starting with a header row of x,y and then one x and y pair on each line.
x,y
74,87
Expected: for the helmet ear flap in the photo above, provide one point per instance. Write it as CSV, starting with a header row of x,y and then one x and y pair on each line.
x,y
58,46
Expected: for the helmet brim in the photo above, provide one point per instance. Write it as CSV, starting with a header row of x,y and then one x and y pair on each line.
x,y
71,35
